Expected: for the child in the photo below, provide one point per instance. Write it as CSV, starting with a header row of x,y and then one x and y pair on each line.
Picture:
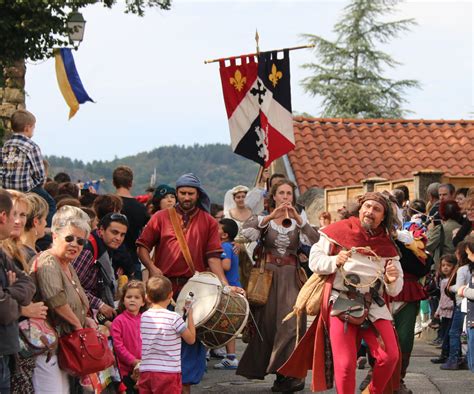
x,y
445,306
162,330
126,331
463,278
228,230
467,291
21,164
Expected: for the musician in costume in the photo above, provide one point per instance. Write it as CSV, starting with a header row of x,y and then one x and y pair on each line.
x,y
362,264
201,234
406,305
271,346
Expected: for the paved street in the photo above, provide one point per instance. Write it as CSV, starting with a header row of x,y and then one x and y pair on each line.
x,y
423,377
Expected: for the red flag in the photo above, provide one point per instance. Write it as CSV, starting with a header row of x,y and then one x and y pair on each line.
x,y
257,97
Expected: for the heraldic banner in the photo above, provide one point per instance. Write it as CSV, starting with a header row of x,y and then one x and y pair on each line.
x,y
258,102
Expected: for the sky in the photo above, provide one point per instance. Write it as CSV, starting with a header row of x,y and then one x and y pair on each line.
x,y
151,87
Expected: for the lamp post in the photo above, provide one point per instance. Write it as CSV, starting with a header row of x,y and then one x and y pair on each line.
x,y
76,25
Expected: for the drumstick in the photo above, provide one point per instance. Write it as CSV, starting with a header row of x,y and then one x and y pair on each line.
x,y
256,327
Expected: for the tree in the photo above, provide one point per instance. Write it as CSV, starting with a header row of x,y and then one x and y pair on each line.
x,y
29,29
349,75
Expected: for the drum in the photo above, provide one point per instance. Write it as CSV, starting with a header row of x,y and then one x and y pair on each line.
x,y
218,316
361,270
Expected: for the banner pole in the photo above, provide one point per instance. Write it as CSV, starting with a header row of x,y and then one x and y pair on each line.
x,y
258,53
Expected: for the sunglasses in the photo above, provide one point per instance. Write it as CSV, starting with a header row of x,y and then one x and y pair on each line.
x,y
80,241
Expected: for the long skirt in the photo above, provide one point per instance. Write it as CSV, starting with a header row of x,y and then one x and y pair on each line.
x,y
262,357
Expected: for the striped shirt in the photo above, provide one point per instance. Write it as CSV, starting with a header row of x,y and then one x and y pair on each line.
x,y
161,331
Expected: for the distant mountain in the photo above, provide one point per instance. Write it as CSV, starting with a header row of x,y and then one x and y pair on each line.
x,y
215,164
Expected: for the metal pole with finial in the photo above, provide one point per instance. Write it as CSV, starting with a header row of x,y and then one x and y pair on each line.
x,y
257,39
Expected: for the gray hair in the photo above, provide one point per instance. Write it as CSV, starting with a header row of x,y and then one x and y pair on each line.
x,y
432,190
70,216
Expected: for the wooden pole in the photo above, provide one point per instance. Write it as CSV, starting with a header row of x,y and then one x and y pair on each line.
x,y
257,53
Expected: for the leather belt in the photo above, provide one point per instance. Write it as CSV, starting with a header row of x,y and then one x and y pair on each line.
x,y
285,260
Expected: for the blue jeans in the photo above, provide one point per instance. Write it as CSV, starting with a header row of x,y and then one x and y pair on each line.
x,y
445,327
455,335
5,374
470,348
50,200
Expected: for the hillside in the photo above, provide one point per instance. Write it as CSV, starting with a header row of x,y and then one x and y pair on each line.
x,y
215,164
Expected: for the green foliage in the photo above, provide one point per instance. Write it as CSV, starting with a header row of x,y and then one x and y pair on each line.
x,y
215,164
29,29
349,73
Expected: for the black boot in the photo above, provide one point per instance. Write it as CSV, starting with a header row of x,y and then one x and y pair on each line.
x,y
285,384
366,381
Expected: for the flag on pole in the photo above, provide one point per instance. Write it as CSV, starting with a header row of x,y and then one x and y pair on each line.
x,y
257,98
69,81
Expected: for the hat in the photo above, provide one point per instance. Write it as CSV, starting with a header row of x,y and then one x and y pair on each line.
x,y
239,189
162,190
191,180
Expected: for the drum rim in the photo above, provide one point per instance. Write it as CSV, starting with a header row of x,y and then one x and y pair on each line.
x,y
216,303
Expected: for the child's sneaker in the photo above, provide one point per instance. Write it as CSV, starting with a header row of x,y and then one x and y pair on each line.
x,y
218,353
227,364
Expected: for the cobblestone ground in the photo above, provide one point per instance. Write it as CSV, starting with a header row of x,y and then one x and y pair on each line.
x,y
423,377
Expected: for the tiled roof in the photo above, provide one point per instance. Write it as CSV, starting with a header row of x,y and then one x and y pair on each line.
x,y
342,152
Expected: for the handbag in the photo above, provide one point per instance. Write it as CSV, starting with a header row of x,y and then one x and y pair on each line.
x,y
353,311
301,276
37,337
260,282
84,351
260,279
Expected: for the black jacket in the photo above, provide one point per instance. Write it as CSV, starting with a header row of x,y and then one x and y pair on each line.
x,y
12,298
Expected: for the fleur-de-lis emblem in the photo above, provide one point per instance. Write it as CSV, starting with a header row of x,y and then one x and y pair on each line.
x,y
275,75
238,81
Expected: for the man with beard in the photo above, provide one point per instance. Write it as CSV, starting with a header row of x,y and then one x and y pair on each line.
x,y
362,265
94,265
201,234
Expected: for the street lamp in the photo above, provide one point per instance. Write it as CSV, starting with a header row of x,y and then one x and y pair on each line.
x,y
76,24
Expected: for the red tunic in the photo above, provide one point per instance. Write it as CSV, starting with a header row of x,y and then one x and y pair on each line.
x,y
202,236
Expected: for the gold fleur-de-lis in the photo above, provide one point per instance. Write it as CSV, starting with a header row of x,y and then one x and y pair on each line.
x,y
275,75
238,80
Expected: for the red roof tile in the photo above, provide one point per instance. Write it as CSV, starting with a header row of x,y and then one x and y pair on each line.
x,y
342,152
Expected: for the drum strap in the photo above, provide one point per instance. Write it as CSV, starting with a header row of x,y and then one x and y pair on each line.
x,y
178,230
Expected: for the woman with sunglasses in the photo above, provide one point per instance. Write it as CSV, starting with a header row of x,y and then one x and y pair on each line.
x,y
59,287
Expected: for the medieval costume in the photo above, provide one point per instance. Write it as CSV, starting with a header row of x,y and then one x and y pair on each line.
x,y
265,355
333,335
405,306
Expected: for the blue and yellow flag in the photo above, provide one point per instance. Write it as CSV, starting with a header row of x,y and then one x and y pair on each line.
x,y
69,81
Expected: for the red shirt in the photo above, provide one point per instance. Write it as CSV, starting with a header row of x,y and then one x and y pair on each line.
x,y
201,233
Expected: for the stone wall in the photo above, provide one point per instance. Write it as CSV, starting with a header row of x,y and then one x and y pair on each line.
x,y
12,94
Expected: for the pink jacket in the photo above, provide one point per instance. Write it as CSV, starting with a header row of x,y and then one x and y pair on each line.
x,y
127,340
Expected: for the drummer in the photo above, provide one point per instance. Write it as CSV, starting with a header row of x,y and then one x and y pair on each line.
x,y
330,256
201,237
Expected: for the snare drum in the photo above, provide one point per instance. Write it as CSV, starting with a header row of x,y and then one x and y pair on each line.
x,y
219,317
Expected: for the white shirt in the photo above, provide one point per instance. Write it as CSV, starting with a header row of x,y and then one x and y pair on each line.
x,y
321,263
161,331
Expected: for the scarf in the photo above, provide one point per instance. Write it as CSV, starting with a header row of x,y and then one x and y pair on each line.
x,y
191,180
349,233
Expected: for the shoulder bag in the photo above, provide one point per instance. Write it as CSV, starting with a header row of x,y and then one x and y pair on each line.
x,y
260,280
84,351
37,336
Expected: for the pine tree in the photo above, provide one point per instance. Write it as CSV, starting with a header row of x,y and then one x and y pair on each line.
x,y
349,74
